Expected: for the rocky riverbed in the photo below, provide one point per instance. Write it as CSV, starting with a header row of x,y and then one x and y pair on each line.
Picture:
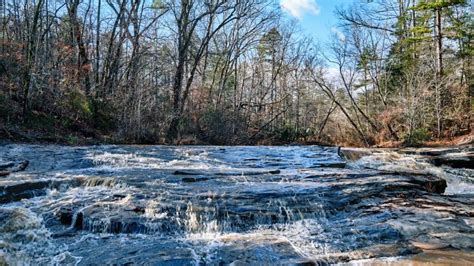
x,y
220,205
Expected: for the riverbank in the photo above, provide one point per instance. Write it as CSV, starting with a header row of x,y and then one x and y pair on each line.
x,y
83,135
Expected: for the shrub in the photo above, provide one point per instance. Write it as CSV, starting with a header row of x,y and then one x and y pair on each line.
x,y
79,104
72,140
417,137
220,126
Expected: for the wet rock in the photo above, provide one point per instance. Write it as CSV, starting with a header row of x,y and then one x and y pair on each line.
x,y
21,166
245,172
15,191
194,179
93,181
460,240
304,262
136,251
120,196
138,209
431,184
251,159
250,172
8,168
112,218
429,246
6,165
182,172
245,250
429,151
65,215
330,165
457,160
439,257
18,190
4,173
78,220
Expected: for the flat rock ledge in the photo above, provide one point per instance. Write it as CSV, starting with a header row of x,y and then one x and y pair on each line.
x,y
369,213
16,190
455,157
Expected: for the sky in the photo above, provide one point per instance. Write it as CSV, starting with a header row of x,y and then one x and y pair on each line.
x,y
316,17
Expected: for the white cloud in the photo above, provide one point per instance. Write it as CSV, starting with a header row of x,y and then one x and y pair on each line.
x,y
297,8
331,73
339,34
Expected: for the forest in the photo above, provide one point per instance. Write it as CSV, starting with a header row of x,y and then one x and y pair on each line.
x,y
397,72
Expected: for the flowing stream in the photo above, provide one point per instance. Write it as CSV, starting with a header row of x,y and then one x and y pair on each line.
x,y
214,205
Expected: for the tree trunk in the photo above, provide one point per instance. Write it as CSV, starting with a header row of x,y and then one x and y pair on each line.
x,y
97,45
183,33
439,42
83,65
30,58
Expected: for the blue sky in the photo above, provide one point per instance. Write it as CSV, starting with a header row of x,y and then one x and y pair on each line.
x,y
316,17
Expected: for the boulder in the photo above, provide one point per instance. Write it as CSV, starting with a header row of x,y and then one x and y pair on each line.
x,y
21,166
112,218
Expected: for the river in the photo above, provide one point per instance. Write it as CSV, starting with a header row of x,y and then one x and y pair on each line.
x,y
166,205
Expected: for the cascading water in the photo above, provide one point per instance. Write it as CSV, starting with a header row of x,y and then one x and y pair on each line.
x,y
214,205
